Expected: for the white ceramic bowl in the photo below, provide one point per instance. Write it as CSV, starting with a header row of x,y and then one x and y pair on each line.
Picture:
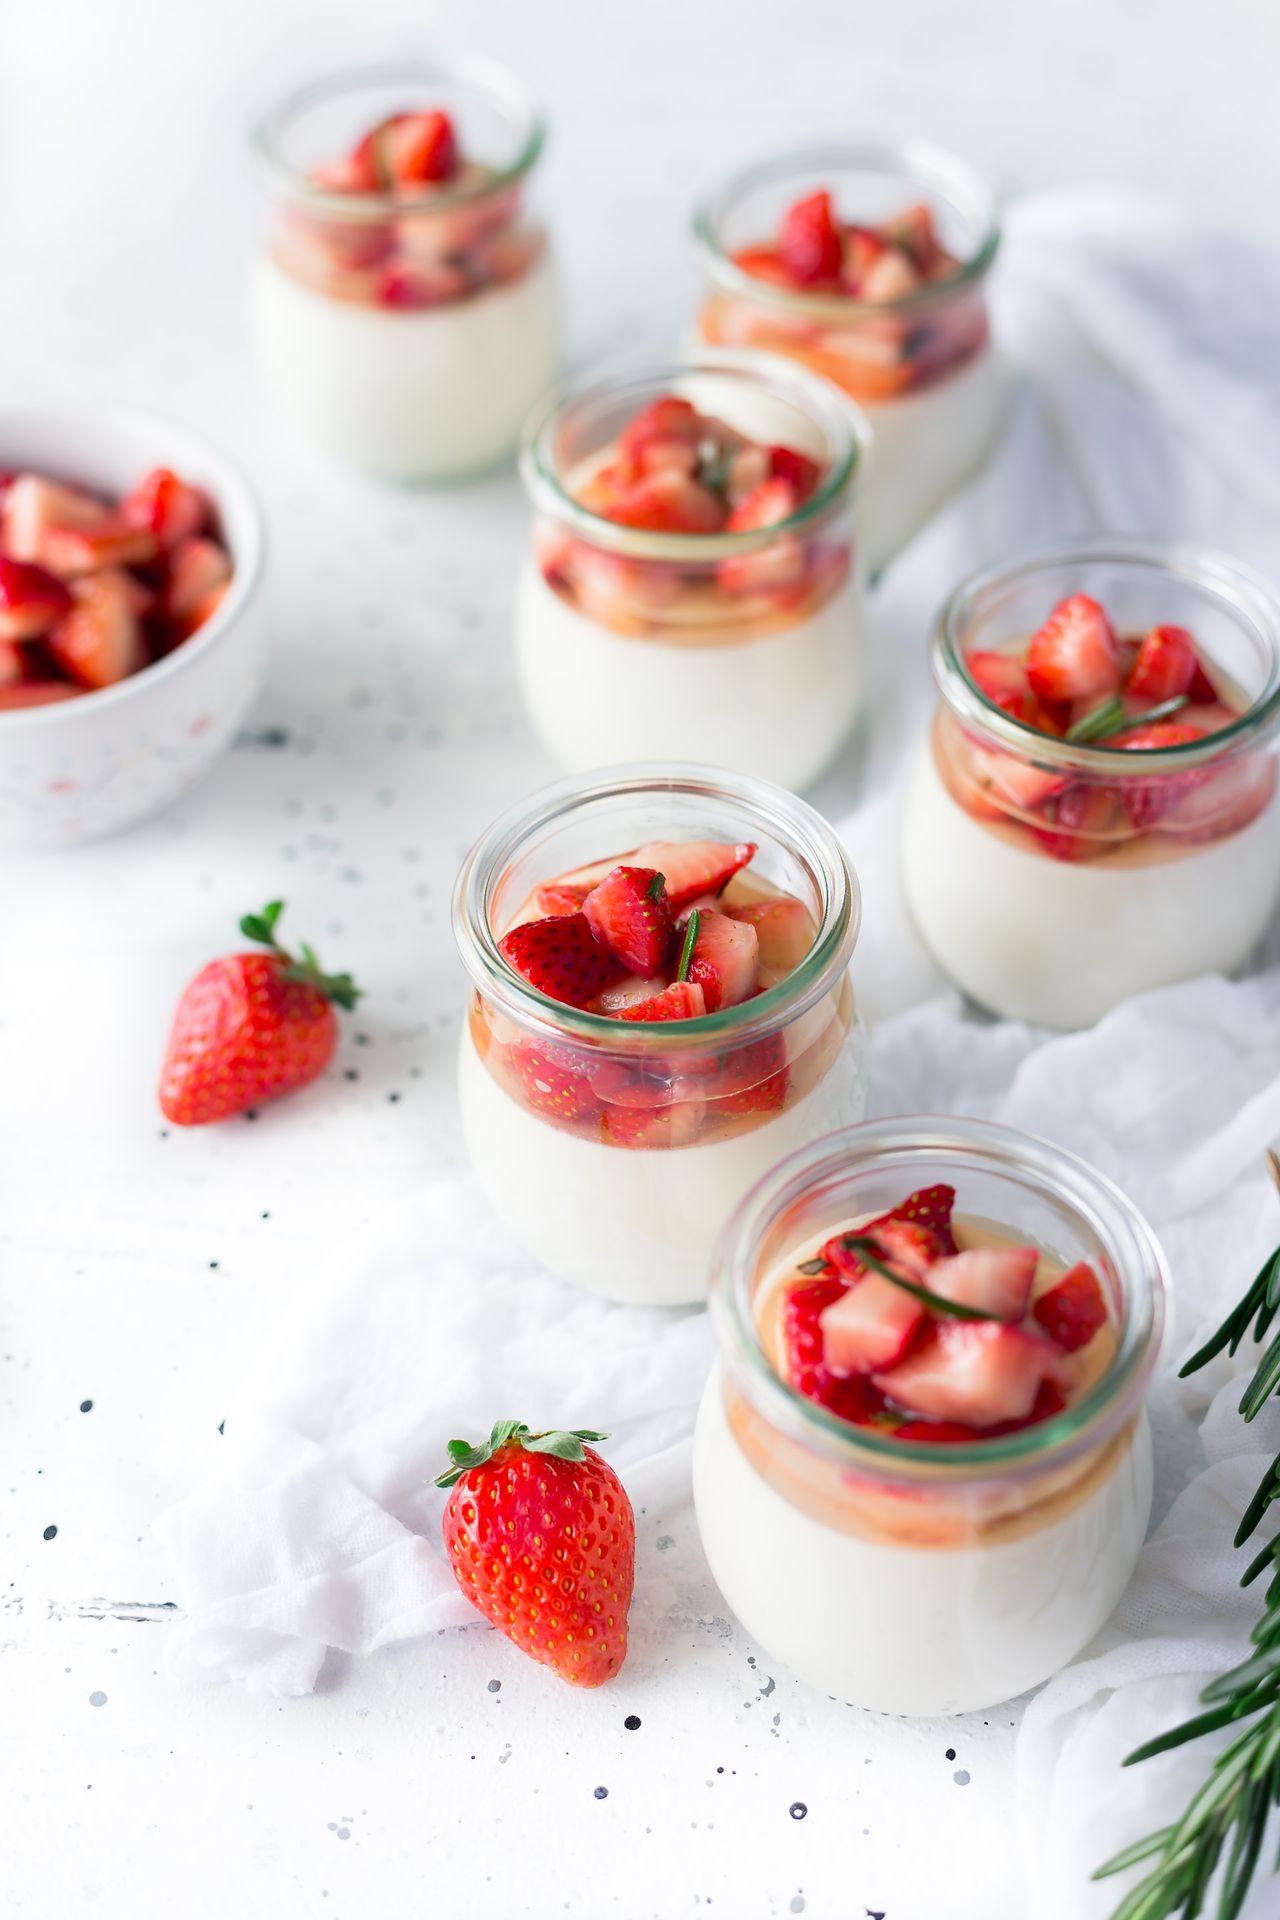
x,y
78,769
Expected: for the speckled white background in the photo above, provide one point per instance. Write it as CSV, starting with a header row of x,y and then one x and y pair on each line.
x,y
138,1267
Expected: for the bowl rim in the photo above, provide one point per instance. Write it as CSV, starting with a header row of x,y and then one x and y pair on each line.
x,y
229,483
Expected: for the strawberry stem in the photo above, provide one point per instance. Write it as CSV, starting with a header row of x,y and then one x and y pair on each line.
x,y
504,1433
338,987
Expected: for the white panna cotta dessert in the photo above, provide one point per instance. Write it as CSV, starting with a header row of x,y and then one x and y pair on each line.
x,y
693,589
1095,811
406,311
661,1008
922,1471
867,265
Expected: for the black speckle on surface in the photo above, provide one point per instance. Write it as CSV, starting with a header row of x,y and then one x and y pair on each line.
x,y
495,1686
797,1809
602,1793
393,1097
632,1722
349,1073
951,1753
251,1113
51,1533
361,1039
86,1406
222,1426
213,1266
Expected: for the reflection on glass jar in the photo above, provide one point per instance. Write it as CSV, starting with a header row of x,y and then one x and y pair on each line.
x,y
906,1565
693,589
1062,854
614,1141
405,306
867,264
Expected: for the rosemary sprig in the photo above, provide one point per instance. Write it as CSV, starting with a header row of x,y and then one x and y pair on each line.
x,y
1231,1810
690,942
1112,717
867,1252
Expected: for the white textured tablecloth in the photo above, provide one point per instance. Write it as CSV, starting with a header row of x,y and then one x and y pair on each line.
x,y
1148,349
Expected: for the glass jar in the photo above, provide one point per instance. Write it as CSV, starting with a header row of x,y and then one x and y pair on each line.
x,y
1052,880
740,649
623,1187
409,332
922,367
926,1579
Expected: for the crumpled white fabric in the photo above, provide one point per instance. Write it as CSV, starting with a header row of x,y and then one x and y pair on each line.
x,y
1149,405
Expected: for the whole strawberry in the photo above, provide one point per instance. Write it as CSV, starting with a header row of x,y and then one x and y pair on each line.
x,y
250,1027
542,1539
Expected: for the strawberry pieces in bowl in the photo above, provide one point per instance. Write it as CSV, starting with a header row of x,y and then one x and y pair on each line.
x,y
93,590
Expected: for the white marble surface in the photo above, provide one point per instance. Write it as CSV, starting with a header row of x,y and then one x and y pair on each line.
x,y
139,1266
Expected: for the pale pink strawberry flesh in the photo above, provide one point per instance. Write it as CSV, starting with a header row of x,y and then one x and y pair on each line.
x,y
978,1373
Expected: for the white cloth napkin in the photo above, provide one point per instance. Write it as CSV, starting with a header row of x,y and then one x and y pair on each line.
x,y
1149,349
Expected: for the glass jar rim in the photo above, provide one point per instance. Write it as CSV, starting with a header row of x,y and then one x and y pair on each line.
x,y
844,424
1040,1165
918,161
486,77
769,807
1249,595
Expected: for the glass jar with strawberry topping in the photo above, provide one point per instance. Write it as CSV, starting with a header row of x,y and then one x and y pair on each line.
x,y
405,307
660,1009
1095,811
693,588
922,1470
867,264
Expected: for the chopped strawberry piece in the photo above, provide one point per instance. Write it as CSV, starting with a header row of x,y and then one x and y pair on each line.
x,y
33,504
784,934
853,1399
871,1326
1004,681
682,1000
908,1246
692,868
668,502
891,276
1083,822
762,263
110,542
1147,801
809,241
1075,654
936,1432
993,1279
166,507
861,247
668,418
629,911
1074,1310
199,573
31,599
800,473
725,960
1165,665
553,1082
766,506
1018,782
99,642
1202,691
13,663
749,1079
930,1208
421,148
561,957
980,1372
915,232
558,899
37,693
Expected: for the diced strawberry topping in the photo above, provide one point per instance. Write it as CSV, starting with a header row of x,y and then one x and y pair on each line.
x,y
693,868
682,1000
629,911
1074,1310
552,1081
784,934
767,506
1165,665
725,960
800,473
33,504
1074,655
1147,801
915,232
980,1372
561,957
558,899
36,693
31,599
852,1399
1082,821
930,1208
891,276
993,1279
666,419
421,148
110,542
199,573
869,1327
668,501
165,506
809,242
1004,681
99,641
1017,781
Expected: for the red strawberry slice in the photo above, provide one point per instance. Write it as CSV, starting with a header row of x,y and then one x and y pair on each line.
x,y
1018,782
668,418
908,1246
110,542
1147,801
561,957
629,911
165,506
784,934
809,243
799,472
746,1080
99,642
1165,665
805,1369
558,898
980,1372
1004,681
36,693
871,1326
32,504
915,231
891,276
668,501
1075,654
763,263
927,1207
1074,1310
861,247
725,960
1083,822
692,868
776,567
199,573
13,663
420,148
765,506
993,1279
31,599
683,1000
553,1082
